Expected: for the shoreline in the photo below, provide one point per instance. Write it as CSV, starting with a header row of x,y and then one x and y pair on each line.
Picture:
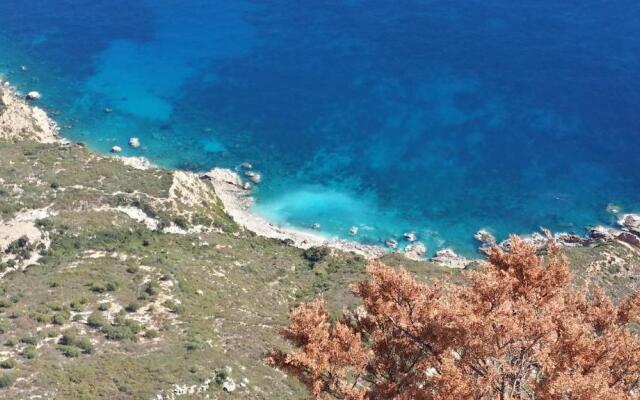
x,y
237,202
23,119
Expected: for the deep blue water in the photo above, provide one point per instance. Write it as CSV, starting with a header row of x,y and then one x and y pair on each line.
x,y
441,117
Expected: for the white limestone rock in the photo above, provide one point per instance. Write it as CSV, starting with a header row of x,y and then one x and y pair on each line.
x,y
34,95
415,251
134,142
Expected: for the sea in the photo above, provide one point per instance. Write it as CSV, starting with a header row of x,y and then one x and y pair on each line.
x,y
427,116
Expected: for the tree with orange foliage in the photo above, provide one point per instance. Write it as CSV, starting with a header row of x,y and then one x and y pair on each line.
x,y
517,330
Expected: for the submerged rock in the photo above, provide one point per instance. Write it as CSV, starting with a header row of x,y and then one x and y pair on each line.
x,y
134,142
247,186
415,251
108,110
614,209
253,176
391,243
410,236
353,230
246,165
315,226
257,178
33,95
116,149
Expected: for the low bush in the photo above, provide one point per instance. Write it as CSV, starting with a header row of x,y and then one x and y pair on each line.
x,y
9,363
97,320
316,254
6,380
69,351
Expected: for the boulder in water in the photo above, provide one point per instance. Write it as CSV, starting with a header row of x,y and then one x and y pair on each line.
x,y
391,243
353,230
253,176
410,236
33,95
134,142
116,149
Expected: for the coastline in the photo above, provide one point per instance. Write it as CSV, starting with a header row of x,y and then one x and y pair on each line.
x,y
23,119
237,202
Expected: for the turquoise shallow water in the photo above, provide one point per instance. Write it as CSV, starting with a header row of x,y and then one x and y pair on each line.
x,y
436,117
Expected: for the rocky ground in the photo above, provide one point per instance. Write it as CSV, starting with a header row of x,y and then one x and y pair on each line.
x,y
121,281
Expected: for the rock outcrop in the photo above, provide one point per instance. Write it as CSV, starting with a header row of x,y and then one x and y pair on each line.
x,y
415,251
21,121
449,258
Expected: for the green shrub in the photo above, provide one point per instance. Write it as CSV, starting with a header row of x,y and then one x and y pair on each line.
x,y
59,318
135,326
132,307
98,288
69,351
85,344
112,286
151,334
181,222
173,306
132,269
119,332
55,306
316,254
45,224
20,247
152,288
30,352
9,363
6,380
33,340
104,306
69,337
193,345
75,306
97,320
70,340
